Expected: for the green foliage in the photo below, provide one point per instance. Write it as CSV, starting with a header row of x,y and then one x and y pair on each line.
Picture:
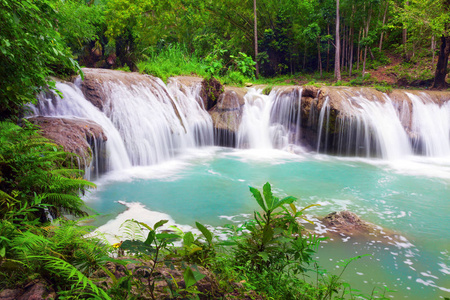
x,y
60,252
267,90
33,179
172,61
31,50
245,64
80,23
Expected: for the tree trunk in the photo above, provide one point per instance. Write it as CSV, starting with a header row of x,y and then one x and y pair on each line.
x,y
343,49
328,48
366,35
351,51
337,59
442,63
304,58
405,38
384,22
359,49
319,56
433,49
256,39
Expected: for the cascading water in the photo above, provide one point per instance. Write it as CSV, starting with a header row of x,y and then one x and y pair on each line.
x,y
254,129
368,123
74,105
270,122
431,122
196,120
145,123
373,128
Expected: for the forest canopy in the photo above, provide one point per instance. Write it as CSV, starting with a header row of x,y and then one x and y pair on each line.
x,y
51,37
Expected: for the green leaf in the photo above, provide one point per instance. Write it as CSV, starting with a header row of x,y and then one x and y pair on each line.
x,y
167,236
188,239
267,234
258,197
150,237
264,256
137,247
3,252
160,223
191,276
286,200
268,196
205,232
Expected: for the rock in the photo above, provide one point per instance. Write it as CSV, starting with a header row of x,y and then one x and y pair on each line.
x,y
346,222
95,83
227,115
35,290
77,136
10,294
211,91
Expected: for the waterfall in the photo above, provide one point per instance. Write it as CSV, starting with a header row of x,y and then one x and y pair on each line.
x,y
377,126
431,122
271,121
254,129
373,128
324,112
74,105
145,123
347,122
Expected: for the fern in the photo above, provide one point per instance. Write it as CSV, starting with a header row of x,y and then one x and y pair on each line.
x,y
32,165
131,230
63,269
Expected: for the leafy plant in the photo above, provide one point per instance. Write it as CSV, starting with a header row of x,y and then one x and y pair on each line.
x,y
33,177
156,248
245,64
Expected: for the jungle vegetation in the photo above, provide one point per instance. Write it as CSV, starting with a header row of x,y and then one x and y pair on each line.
x,y
39,190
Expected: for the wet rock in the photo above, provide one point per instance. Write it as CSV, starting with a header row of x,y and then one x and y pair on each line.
x,y
227,115
346,222
77,136
95,84
37,291
211,91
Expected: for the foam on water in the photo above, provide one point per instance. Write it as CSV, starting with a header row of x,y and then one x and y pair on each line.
x,y
138,212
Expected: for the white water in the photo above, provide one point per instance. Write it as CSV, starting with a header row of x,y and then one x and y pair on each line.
x,y
372,127
432,124
255,130
378,128
144,128
270,122
74,105
144,124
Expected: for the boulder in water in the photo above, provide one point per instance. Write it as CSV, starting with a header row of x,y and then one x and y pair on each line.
x,y
227,115
346,222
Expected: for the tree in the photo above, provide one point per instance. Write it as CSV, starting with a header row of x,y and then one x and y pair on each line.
x,y
441,68
337,59
256,39
442,64
425,19
31,50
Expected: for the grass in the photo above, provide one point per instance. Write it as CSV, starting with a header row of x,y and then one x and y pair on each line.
x,y
171,61
176,60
